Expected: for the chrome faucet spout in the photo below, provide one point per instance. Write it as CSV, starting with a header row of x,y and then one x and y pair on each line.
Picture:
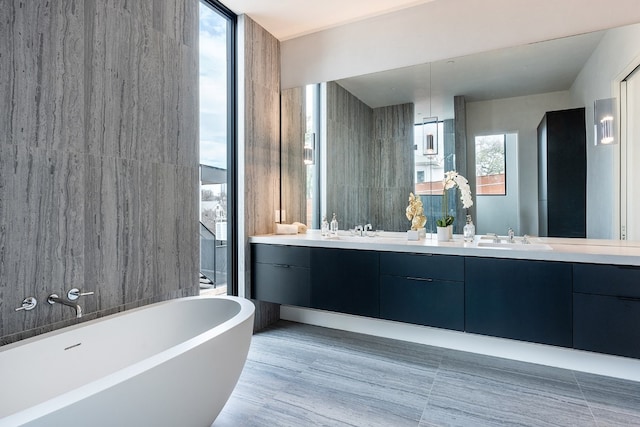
x,y
54,298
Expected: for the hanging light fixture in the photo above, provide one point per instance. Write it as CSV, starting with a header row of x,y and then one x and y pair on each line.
x,y
309,148
603,121
430,139
430,129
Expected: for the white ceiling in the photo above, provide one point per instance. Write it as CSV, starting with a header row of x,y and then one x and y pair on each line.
x,y
286,19
523,70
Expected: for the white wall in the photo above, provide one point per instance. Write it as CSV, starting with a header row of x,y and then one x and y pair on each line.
x,y
519,115
442,29
616,54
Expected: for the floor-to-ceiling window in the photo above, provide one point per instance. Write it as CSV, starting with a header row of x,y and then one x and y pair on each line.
x,y
217,147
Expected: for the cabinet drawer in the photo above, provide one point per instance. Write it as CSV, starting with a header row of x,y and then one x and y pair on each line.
x,y
427,302
281,284
424,266
283,255
606,324
613,280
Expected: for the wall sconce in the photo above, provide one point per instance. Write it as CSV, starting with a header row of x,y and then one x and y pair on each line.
x,y
430,136
309,148
603,121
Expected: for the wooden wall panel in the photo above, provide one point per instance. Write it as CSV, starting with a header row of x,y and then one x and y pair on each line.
x,y
261,146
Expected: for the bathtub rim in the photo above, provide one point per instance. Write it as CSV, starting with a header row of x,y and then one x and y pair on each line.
x,y
245,314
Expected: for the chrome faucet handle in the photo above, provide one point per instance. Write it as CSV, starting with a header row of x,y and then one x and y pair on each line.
x,y
494,236
28,303
368,227
75,293
525,239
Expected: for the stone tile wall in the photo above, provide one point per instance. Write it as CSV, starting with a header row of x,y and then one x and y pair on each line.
x,y
98,156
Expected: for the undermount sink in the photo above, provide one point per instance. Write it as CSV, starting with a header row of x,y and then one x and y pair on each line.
x,y
503,244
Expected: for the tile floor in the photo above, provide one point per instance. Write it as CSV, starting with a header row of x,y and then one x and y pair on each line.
x,y
302,375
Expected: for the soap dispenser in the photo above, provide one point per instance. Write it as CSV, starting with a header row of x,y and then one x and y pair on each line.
x,y
324,230
334,225
469,230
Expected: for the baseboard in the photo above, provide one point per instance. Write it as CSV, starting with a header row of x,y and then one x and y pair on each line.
x,y
575,360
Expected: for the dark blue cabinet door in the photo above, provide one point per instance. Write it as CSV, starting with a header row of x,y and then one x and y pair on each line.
x,y
345,281
429,302
519,299
607,324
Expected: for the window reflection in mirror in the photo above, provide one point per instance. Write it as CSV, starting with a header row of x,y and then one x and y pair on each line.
x,y
312,129
490,165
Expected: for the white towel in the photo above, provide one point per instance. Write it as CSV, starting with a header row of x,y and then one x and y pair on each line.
x,y
286,228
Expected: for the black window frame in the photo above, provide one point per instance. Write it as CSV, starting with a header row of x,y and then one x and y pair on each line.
x,y
232,147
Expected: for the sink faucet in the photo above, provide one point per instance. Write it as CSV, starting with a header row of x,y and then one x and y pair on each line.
x,y
495,237
358,229
511,234
366,228
54,298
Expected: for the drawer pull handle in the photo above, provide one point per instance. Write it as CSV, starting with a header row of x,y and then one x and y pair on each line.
x,y
634,299
627,267
420,279
282,265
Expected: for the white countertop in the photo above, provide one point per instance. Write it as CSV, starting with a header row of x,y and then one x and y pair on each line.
x,y
620,252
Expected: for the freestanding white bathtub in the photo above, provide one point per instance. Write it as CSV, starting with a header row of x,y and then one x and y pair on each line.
x,y
173,363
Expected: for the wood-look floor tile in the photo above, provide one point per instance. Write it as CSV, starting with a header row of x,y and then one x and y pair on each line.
x,y
299,375
494,398
610,394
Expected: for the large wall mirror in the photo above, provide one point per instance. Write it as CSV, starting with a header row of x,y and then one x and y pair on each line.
x,y
366,149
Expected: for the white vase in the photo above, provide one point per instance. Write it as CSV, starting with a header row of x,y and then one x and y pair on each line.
x,y
445,233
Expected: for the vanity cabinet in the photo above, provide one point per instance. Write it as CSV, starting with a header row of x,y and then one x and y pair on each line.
x,y
519,299
345,281
424,289
606,303
281,274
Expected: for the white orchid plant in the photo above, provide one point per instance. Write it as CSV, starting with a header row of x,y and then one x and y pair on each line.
x,y
451,180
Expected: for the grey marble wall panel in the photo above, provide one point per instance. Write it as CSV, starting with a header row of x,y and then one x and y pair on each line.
x,y
293,173
261,145
41,57
175,19
41,237
98,157
370,161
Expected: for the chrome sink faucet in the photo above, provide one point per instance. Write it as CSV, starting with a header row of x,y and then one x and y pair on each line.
x,y
358,229
54,298
511,235
495,237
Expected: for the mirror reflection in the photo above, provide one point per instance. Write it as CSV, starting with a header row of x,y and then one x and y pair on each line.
x,y
372,146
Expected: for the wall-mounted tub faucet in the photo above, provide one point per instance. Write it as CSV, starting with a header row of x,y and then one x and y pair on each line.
x,y
75,293
28,304
54,298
